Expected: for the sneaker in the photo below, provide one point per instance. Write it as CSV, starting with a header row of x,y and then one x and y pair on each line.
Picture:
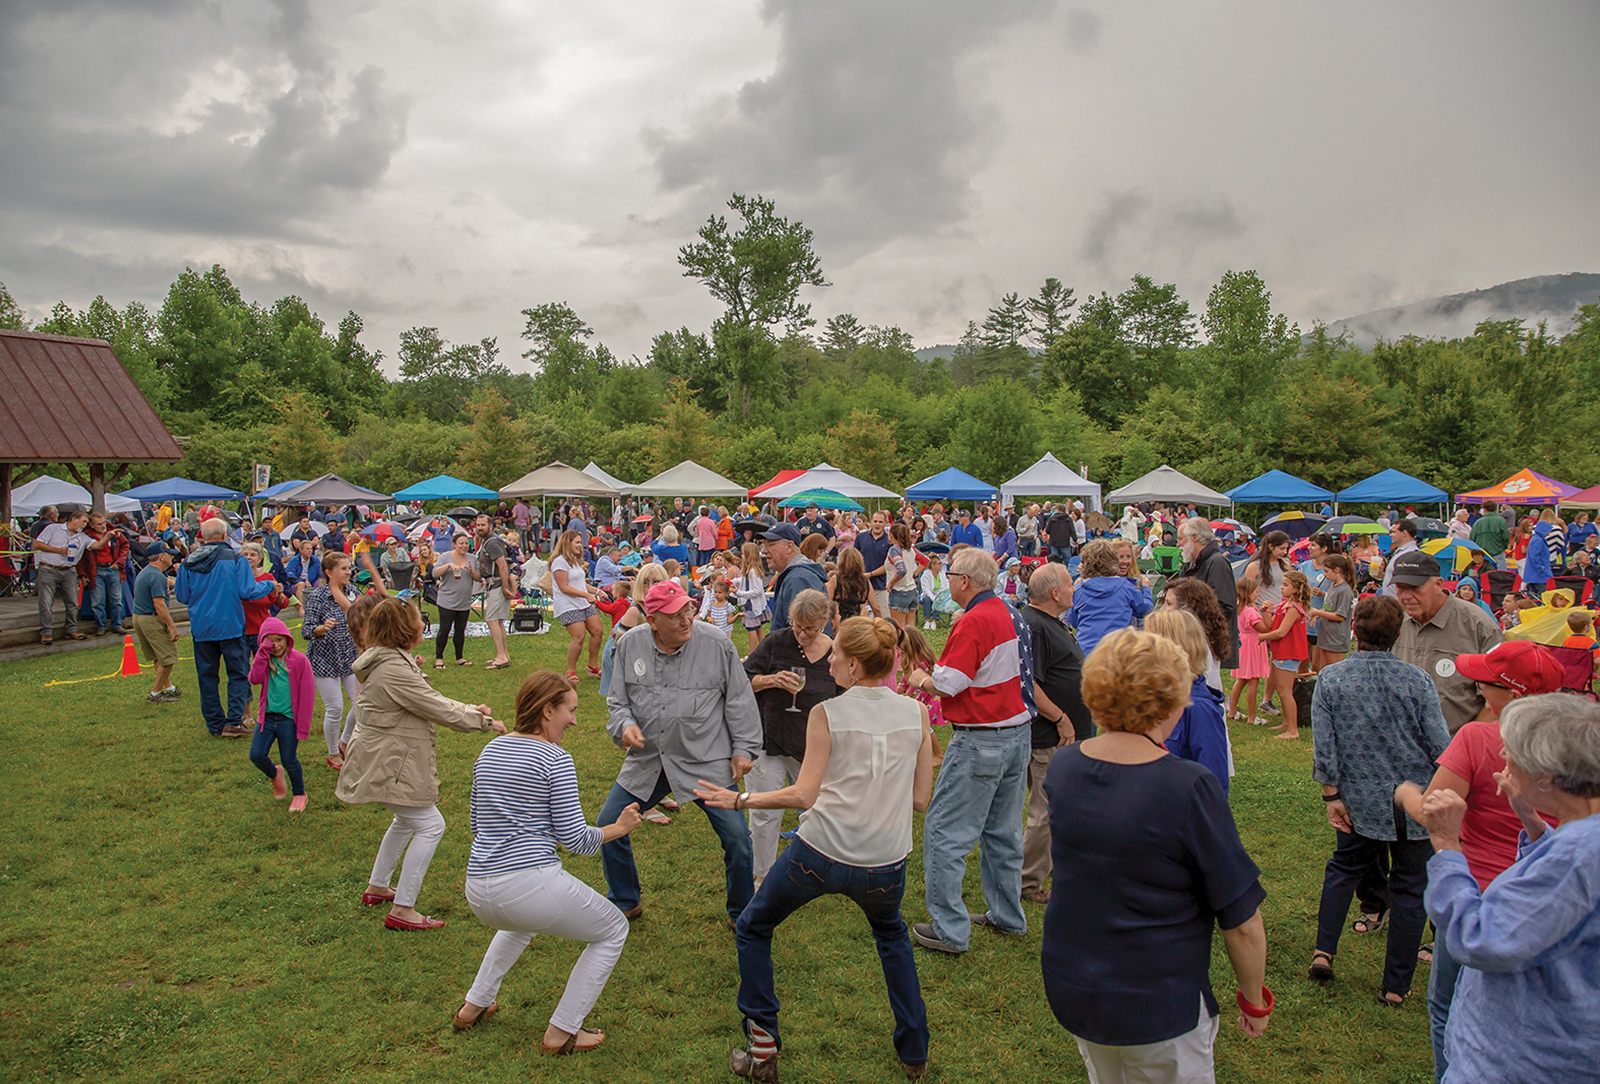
x,y
743,1063
1270,709
157,698
924,934
986,921
172,692
929,625
119,630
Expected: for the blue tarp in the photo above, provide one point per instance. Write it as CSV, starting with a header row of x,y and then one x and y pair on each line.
x,y
1392,485
1278,487
281,487
181,489
445,488
951,485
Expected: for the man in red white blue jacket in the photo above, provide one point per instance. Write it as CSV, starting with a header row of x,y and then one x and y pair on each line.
x,y
985,680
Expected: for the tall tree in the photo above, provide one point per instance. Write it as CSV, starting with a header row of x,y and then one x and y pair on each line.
x,y
565,362
1050,309
864,446
686,431
756,271
12,318
841,335
302,443
1156,323
496,452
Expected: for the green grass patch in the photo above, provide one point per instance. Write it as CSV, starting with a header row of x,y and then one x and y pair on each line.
x,y
163,919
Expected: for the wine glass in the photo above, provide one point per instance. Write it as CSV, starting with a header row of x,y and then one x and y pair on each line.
x,y
800,674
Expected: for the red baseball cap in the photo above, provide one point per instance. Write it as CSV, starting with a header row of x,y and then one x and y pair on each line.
x,y
666,597
1523,665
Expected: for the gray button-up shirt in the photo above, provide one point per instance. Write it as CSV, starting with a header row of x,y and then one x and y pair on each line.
x,y
694,706
1459,628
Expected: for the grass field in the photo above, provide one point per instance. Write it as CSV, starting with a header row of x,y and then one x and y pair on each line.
x,y
163,919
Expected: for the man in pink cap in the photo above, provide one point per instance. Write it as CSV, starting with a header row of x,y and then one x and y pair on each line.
x,y
1506,672
682,706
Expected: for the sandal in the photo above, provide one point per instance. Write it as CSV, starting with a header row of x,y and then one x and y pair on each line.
x,y
1369,923
1321,969
438,664
572,677
496,665
1387,998
46,641
571,1045
669,804
463,662
655,816
462,1023
1425,953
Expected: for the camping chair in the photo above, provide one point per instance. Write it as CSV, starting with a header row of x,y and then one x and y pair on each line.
x,y
1498,583
1578,666
1582,587
1169,559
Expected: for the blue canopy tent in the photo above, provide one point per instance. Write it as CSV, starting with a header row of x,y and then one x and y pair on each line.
x,y
281,487
445,488
1392,486
181,489
1278,487
952,484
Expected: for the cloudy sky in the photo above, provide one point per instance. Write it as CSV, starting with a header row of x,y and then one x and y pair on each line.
x,y
449,164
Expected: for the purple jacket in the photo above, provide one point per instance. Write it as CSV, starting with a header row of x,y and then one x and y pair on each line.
x,y
302,686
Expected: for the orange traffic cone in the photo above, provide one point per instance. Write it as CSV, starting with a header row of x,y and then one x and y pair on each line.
x,y
130,658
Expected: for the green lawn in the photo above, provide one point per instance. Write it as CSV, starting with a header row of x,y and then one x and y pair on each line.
x,y
163,919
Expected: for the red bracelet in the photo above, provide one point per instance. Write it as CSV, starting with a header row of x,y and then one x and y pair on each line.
x,y
1250,1010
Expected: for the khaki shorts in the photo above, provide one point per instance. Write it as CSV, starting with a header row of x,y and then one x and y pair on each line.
x,y
153,638
496,607
882,600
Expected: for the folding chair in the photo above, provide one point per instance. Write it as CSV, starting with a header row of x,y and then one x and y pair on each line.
x,y
1578,664
1169,559
1498,583
1582,587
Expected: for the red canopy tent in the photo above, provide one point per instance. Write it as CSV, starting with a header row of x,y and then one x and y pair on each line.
x,y
777,479
1588,498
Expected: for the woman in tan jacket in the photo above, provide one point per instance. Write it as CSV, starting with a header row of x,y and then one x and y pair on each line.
x,y
391,757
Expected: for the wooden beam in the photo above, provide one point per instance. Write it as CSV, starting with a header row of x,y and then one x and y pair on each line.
x,y
97,487
5,497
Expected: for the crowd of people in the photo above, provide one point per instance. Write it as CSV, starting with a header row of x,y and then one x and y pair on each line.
x,y
758,662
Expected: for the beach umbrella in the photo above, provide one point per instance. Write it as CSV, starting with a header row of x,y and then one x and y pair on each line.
x,y
318,528
381,532
646,518
1363,528
1345,525
1453,553
1295,524
421,527
822,498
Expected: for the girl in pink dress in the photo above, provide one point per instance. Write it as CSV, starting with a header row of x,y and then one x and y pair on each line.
x,y
914,653
1253,656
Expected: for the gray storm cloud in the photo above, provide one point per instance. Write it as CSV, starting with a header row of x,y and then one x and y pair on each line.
x,y
862,125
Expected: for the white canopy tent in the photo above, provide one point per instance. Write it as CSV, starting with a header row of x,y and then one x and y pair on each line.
x,y
26,500
690,479
827,476
1169,487
556,479
1050,478
594,470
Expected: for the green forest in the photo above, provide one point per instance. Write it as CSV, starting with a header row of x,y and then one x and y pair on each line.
x,y
1120,382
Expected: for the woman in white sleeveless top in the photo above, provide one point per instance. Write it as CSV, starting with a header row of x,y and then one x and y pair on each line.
x,y
868,764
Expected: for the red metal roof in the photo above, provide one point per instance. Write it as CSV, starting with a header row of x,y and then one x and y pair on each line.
x,y
65,400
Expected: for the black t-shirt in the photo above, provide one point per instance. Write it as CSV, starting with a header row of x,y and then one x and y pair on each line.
x,y
1060,531
1058,670
492,550
1147,860
784,731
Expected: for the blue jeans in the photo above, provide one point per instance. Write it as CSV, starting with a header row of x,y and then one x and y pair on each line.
x,y
1442,976
622,876
280,729
801,875
1059,553
1027,547
608,655
979,797
208,656
928,612
107,597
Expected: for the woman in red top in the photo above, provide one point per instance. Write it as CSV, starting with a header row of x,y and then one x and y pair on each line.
x,y
1489,831
1286,642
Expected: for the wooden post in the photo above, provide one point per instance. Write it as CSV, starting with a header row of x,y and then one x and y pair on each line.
x,y
97,487
5,497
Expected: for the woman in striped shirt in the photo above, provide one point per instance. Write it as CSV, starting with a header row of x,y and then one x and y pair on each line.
x,y
525,803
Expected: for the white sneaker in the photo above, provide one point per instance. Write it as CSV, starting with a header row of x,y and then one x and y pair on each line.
x,y
929,625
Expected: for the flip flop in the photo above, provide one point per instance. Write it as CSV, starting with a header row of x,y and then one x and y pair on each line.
x,y
438,664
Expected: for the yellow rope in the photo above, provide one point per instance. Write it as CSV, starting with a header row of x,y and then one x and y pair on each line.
x,y
142,666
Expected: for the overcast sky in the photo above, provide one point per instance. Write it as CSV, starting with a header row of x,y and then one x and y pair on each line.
x,y
450,164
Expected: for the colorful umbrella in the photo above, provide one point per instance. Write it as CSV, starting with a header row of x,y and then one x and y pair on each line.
x,y
382,532
1363,528
822,498
1428,527
1350,525
317,528
1454,553
1226,524
1295,524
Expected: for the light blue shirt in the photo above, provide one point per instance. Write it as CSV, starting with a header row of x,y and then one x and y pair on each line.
x,y
1529,948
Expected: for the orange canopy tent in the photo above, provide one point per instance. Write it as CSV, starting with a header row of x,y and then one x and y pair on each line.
x,y
1524,487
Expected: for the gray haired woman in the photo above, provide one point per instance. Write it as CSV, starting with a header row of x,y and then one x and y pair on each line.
x,y
1529,944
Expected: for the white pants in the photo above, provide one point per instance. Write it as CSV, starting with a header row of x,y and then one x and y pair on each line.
x,y
546,900
334,692
419,826
1184,1060
769,773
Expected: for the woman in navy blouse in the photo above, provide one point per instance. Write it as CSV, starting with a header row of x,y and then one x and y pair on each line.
x,y
1147,862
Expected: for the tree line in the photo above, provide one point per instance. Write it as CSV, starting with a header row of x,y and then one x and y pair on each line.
x,y
1118,382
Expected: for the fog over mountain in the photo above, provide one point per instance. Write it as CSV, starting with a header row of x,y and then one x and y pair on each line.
x,y
1552,298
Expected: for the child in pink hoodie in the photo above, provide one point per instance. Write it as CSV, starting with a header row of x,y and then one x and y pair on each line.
x,y
288,695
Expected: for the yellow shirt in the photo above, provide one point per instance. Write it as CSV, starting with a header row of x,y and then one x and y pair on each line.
x,y
163,517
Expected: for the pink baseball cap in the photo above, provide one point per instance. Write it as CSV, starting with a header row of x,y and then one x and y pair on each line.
x,y
666,597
